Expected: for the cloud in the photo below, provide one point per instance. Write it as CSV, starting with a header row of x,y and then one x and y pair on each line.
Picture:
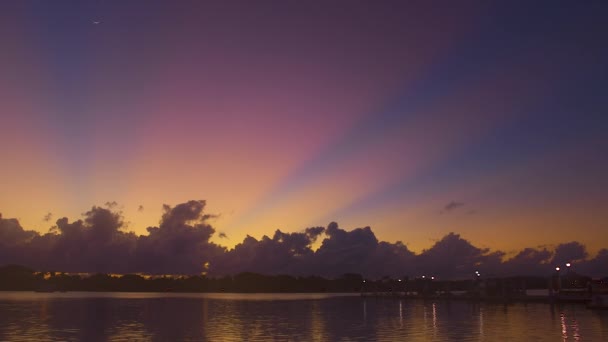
x,y
180,244
346,252
222,235
455,257
451,206
111,205
47,217
14,241
98,243
595,267
284,253
529,261
568,253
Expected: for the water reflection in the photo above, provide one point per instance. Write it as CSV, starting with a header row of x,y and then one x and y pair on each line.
x,y
317,325
434,318
569,328
364,311
301,318
401,313
563,324
480,321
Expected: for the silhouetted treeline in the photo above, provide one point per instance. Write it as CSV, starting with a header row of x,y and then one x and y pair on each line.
x,y
20,278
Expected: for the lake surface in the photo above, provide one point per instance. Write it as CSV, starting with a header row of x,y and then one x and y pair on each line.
x,y
79,316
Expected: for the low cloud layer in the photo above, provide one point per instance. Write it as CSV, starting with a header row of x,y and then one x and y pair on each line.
x,y
181,245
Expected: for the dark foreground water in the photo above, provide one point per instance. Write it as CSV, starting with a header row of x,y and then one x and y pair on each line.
x,y
28,316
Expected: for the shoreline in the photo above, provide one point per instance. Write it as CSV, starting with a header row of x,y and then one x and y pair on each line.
x,y
477,298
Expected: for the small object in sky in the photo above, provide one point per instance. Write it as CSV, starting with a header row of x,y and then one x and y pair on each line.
x,y
96,22
47,217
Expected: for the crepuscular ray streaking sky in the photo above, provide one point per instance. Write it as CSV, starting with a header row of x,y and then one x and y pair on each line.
x,y
414,118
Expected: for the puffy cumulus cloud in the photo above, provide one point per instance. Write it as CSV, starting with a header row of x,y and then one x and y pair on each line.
x,y
346,252
455,257
284,253
11,233
95,244
529,261
392,259
356,251
596,267
181,244
569,252
98,243
14,241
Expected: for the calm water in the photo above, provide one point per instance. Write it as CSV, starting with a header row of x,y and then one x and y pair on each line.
x,y
284,317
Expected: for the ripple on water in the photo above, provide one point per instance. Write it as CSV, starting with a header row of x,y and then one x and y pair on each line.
x,y
286,317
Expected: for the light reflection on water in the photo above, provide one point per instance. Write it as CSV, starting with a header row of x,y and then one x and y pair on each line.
x,y
285,317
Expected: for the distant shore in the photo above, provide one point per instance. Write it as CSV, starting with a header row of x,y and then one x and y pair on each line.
x,y
511,289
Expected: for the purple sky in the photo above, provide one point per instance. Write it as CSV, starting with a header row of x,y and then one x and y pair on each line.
x,y
417,119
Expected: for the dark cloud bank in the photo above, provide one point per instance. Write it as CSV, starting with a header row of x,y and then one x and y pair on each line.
x,y
180,245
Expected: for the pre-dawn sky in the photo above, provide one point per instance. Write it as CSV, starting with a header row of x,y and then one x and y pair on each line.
x,y
415,118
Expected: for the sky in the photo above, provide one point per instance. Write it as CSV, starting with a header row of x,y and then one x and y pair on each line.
x,y
414,118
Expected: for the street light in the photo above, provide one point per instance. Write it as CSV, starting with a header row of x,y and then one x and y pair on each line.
x,y
557,268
